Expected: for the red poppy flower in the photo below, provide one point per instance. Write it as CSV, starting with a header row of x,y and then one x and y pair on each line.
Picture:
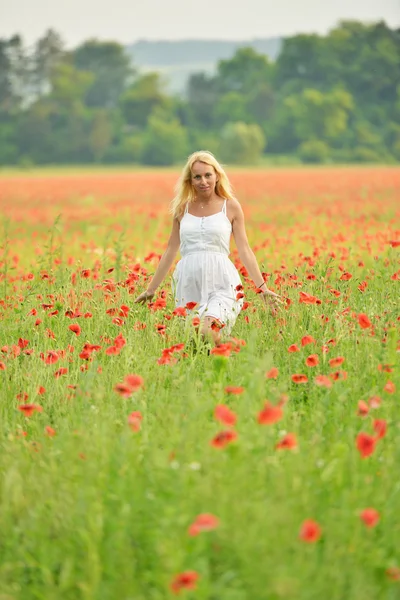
x,y
236,391
190,305
50,431
336,362
135,382
75,328
393,573
336,375
346,276
307,339
375,402
118,321
29,409
386,368
184,581
370,516
299,378
223,438
272,373
380,427
196,321
23,343
308,299
270,414
180,311
203,522
364,321
110,351
390,387
123,311
363,408
312,360
2,366
288,442
222,350
310,531
293,348
365,444
225,415
135,420
61,371
51,357
158,304
123,390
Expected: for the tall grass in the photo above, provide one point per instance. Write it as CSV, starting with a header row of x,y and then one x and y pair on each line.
x,y
93,508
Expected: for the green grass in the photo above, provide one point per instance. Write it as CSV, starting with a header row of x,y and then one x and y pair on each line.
x,y
102,512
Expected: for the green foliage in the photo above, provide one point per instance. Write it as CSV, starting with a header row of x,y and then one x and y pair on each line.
x,y
89,105
241,143
231,107
243,72
100,135
313,151
165,141
365,154
320,116
111,69
142,98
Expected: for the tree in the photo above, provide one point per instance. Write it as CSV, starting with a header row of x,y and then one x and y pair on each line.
x,y
314,151
261,103
111,68
245,71
300,64
320,116
142,98
241,143
165,141
68,85
48,52
367,60
202,96
231,107
14,74
100,135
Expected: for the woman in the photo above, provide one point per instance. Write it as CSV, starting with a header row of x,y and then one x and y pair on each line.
x,y
205,214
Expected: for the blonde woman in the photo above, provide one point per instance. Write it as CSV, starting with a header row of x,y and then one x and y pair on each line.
x,y
205,214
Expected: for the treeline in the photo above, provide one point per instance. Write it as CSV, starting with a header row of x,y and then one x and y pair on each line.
x,y
333,98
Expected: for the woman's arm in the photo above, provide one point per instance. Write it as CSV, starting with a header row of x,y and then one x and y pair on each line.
x,y
164,265
246,254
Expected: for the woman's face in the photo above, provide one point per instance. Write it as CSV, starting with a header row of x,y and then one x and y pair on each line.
x,y
204,178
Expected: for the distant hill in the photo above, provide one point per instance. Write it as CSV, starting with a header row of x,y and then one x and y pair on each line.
x,y
176,61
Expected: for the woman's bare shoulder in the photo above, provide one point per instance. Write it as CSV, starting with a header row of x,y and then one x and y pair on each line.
x,y
233,206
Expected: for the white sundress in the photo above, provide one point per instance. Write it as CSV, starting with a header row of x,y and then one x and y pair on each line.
x,y
205,274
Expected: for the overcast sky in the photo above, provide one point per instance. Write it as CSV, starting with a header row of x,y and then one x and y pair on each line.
x,y
127,21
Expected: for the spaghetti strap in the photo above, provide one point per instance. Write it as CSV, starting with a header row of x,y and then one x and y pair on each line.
x,y
224,207
186,208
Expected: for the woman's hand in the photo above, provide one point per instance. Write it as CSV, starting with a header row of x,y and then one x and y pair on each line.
x,y
144,296
271,300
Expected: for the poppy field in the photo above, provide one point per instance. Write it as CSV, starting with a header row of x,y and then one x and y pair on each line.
x,y
139,463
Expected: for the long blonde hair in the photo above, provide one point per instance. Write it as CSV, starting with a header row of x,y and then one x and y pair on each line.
x,y
184,191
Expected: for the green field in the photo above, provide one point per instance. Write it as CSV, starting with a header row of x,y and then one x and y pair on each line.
x,y
102,484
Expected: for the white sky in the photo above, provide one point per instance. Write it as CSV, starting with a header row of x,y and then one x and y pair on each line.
x,y
127,21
